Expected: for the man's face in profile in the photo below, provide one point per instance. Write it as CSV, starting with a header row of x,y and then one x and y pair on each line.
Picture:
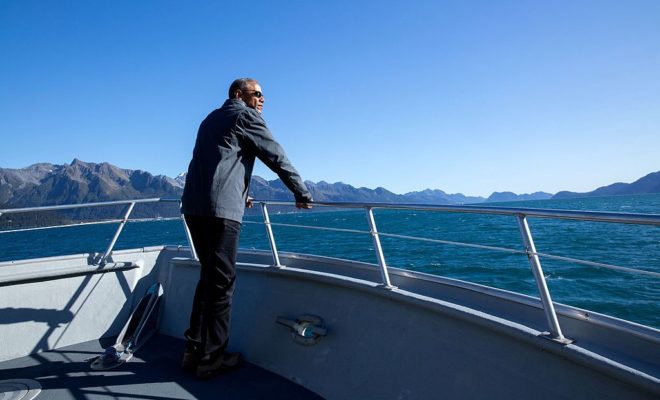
x,y
253,96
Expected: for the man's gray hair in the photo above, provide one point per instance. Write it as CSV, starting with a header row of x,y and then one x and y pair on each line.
x,y
240,83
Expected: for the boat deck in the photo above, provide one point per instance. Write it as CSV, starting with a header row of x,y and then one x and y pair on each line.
x,y
153,373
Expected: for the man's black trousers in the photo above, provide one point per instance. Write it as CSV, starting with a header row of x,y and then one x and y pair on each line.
x,y
216,243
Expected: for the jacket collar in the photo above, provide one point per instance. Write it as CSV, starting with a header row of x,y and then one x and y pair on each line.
x,y
234,102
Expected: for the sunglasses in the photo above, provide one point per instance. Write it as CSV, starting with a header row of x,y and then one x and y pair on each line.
x,y
257,93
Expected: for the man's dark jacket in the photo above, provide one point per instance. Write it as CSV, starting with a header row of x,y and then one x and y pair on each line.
x,y
219,173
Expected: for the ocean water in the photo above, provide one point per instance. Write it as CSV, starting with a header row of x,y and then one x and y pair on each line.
x,y
630,296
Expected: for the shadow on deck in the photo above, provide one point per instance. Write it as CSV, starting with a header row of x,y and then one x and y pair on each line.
x,y
153,373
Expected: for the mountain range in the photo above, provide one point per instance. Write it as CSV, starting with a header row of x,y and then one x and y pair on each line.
x,y
646,184
78,182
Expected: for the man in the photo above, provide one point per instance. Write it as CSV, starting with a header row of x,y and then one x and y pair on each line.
x,y
214,198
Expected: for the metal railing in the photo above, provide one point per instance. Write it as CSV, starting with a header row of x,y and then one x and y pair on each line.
x,y
130,204
521,215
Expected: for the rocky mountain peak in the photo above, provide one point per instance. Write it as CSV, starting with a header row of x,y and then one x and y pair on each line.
x,y
79,182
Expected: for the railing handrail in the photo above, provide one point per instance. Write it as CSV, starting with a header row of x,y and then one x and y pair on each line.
x,y
469,245
520,214
86,205
130,203
631,218
596,216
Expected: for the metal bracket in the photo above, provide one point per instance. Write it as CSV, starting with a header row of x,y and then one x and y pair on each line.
x,y
563,340
307,330
388,287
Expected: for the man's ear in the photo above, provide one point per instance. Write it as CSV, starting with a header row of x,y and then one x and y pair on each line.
x,y
238,93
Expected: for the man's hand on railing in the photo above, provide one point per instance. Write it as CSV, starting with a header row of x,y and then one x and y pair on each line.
x,y
306,206
248,202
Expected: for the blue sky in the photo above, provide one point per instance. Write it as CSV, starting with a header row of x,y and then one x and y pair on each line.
x,y
463,96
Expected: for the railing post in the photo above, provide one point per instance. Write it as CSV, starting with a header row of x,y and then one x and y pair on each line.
x,y
378,249
271,237
535,264
119,229
193,252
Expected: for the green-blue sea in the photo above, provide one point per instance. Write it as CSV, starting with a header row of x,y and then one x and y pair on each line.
x,y
634,297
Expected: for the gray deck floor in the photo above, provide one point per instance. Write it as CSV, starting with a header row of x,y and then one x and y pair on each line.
x,y
153,373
